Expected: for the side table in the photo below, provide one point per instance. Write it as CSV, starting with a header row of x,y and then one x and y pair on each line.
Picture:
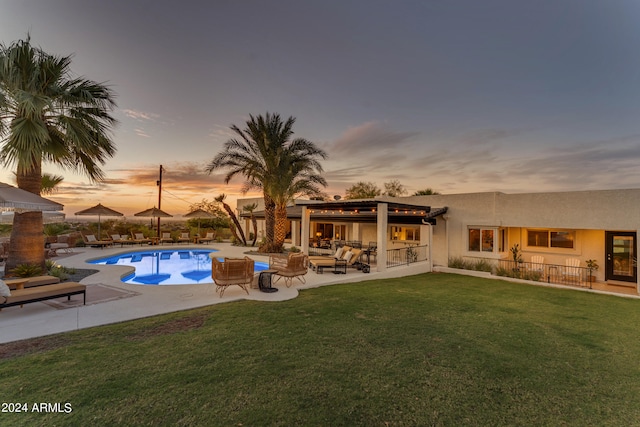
x,y
264,281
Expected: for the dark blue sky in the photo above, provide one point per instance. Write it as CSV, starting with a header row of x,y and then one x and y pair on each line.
x,y
460,96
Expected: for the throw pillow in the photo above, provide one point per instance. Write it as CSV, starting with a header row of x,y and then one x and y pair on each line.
x,y
4,289
347,256
338,253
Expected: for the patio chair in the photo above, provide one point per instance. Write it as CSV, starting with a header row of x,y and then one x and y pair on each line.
x,y
571,271
208,238
537,264
184,237
292,266
166,237
90,240
62,243
139,238
232,271
122,239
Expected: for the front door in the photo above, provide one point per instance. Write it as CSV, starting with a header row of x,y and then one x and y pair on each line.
x,y
621,256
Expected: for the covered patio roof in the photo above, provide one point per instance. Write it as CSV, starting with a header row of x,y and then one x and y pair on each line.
x,y
362,210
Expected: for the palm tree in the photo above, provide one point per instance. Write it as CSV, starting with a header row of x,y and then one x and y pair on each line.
x,y
47,115
49,184
251,208
235,225
426,192
269,160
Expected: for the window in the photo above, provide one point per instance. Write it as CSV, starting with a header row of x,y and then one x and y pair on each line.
x,y
551,239
405,233
485,239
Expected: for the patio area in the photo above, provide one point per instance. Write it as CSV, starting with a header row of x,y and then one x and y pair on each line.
x,y
109,300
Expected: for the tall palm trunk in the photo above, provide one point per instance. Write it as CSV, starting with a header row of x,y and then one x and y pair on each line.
x,y
27,235
270,221
280,228
234,218
254,221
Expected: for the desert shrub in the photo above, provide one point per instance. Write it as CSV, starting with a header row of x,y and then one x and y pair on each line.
x,y
482,265
27,270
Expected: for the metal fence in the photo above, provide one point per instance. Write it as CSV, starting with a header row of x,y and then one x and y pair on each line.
x,y
550,273
406,255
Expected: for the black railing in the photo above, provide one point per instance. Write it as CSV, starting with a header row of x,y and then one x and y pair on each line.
x,y
406,255
550,273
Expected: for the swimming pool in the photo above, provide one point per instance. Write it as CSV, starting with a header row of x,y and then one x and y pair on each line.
x,y
167,267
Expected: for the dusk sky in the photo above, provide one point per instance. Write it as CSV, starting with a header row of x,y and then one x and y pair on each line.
x,y
457,95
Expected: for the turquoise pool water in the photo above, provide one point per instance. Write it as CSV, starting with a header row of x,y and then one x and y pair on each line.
x,y
167,267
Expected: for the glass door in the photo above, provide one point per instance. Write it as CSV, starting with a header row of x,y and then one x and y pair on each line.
x,y
621,256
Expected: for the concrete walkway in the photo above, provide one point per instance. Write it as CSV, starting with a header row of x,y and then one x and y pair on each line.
x,y
40,319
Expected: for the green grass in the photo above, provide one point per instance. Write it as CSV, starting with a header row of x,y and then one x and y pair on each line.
x,y
434,349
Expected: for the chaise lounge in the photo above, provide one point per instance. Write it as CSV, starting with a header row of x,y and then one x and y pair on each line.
x,y
350,258
42,293
233,271
90,240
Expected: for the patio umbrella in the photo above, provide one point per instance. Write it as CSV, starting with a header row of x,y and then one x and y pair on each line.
x,y
16,198
199,214
100,211
154,213
48,217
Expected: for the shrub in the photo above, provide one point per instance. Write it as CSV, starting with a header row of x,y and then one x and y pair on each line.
x,y
458,262
294,249
27,270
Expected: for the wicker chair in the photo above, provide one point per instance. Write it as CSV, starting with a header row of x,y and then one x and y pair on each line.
x,y
295,265
233,271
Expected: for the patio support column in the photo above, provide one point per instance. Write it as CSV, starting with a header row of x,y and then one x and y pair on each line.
x,y
382,222
306,221
355,231
427,239
295,233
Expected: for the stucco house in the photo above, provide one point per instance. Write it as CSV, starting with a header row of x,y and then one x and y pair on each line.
x,y
597,225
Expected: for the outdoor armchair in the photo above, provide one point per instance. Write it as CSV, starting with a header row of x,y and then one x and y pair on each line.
x,y
232,271
295,265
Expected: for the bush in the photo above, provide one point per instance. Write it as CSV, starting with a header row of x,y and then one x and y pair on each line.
x,y
27,270
477,265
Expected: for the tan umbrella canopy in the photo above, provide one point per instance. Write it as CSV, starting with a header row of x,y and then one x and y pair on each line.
x,y
199,213
154,213
100,211
48,217
16,198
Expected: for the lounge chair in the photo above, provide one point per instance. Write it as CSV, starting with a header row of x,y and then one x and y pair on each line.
x,y
184,237
62,243
350,259
166,237
208,238
232,271
90,240
337,255
139,238
123,239
537,264
294,265
42,293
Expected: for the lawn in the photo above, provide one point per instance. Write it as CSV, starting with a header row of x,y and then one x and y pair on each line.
x,y
433,349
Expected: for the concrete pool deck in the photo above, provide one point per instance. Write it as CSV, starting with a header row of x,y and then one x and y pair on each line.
x,y
40,319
